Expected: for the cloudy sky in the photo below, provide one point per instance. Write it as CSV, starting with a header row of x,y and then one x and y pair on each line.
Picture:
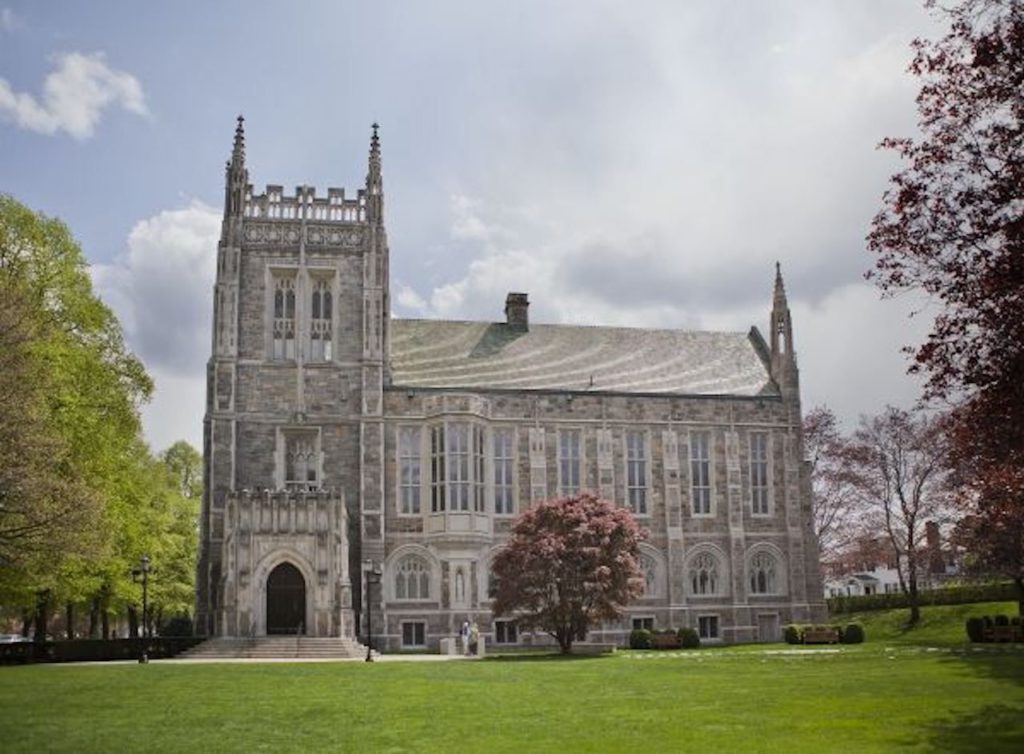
x,y
629,163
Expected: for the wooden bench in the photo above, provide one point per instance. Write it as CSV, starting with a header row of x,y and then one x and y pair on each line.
x,y
665,641
588,650
821,636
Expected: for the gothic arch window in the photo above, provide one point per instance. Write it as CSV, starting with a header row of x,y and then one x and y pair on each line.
x,y
321,309
284,318
412,579
649,569
301,461
764,576
704,574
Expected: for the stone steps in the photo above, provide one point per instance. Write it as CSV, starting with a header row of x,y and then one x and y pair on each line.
x,y
277,648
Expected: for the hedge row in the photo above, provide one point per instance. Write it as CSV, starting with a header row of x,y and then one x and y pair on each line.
x,y
950,595
94,650
684,638
852,633
999,628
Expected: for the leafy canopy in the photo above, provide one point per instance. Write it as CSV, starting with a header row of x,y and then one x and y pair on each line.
x,y
570,562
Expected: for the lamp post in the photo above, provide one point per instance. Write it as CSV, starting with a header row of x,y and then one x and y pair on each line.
x,y
142,573
373,574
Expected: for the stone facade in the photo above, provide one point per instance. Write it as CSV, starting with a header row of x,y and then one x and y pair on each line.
x,y
338,439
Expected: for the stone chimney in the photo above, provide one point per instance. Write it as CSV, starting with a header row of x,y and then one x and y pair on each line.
x,y
517,311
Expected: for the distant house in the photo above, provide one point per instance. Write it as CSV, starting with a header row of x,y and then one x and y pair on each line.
x,y
879,580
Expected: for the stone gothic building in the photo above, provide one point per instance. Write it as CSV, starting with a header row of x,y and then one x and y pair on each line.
x,y
336,437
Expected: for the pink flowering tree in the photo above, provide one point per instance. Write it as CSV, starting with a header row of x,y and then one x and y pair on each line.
x,y
569,563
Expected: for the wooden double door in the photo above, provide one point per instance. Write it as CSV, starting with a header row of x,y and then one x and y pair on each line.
x,y
286,601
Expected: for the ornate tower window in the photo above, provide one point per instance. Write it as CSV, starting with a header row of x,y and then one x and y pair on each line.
x,y
636,472
704,579
284,318
409,470
570,461
700,472
301,461
759,472
321,309
504,470
412,579
763,576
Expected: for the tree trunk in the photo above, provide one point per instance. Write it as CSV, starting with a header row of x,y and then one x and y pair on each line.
x,y
1019,581
915,609
69,615
42,608
94,617
26,623
133,622
105,618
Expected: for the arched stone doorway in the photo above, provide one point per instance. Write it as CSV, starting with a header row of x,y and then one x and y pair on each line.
x,y
286,600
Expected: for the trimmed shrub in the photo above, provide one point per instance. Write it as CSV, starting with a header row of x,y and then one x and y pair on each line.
x,y
179,625
976,629
792,634
688,638
639,638
950,595
1002,620
852,634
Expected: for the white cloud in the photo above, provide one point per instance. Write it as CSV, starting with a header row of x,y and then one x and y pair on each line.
x,y
161,291
74,97
161,287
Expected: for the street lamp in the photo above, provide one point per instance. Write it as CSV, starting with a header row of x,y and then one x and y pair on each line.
x,y
142,573
373,574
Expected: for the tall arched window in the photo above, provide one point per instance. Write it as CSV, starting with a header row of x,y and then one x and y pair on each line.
x,y
650,571
284,317
704,577
412,579
320,321
763,577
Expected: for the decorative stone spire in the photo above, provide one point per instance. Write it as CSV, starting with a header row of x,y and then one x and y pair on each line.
x,y
237,177
781,329
375,181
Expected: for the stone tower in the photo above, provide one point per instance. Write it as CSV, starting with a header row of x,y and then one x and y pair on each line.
x,y
293,425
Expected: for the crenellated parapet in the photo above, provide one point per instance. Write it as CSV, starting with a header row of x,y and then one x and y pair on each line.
x,y
274,204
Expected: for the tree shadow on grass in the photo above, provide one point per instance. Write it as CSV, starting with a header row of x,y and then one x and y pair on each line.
x,y
991,661
540,657
994,728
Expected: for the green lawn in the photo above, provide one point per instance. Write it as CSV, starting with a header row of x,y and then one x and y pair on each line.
x,y
881,696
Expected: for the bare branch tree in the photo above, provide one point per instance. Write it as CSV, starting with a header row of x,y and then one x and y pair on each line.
x,y
897,464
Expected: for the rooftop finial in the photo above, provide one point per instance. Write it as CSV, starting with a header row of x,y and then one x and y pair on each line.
x,y
375,141
238,151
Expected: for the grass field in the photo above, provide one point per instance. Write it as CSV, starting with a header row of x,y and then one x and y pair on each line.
x,y
894,693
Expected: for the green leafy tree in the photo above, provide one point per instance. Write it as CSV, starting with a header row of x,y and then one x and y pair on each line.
x,y
69,397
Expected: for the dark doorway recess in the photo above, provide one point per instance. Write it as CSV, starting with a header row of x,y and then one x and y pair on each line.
x,y
286,601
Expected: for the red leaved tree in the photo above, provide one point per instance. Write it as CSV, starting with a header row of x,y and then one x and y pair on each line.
x,y
569,563
952,225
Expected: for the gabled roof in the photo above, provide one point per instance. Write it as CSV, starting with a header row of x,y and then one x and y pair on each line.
x,y
482,355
